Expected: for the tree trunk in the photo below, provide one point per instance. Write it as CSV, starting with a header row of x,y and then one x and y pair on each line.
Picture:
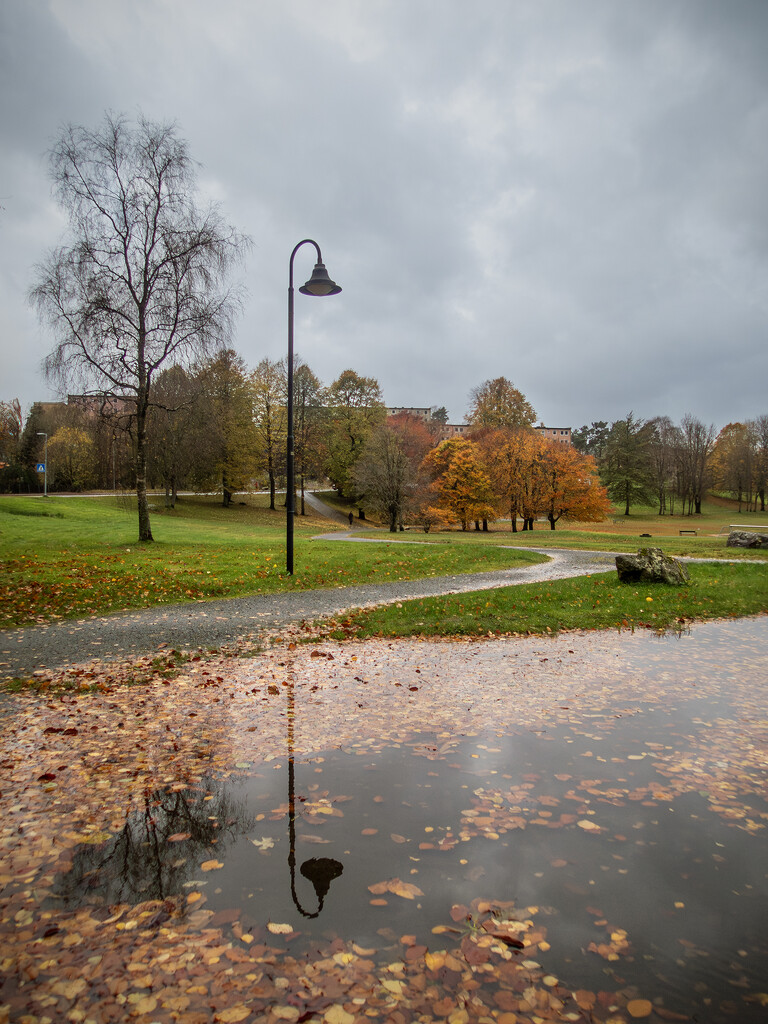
x,y
145,529
552,521
393,521
485,526
271,470
301,488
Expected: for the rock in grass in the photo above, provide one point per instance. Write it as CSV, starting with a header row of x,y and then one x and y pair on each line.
x,y
651,565
745,539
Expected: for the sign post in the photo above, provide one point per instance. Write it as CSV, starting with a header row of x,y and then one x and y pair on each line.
x,y
42,467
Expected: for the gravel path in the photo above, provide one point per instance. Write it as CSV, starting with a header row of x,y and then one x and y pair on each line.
x,y
213,624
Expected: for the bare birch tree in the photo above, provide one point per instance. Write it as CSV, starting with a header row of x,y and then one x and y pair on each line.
x,y
140,280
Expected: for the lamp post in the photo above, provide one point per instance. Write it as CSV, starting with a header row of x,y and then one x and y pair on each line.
x,y
319,284
41,433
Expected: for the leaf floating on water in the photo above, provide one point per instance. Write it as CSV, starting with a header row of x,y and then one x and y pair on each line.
x,y
179,837
588,826
279,929
407,890
336,1014
211,865
639,1007
232,1014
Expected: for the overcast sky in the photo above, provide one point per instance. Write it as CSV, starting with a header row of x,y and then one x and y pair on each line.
x,y
569,193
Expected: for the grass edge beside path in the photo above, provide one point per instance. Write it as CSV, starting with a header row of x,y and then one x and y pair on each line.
x,y
716,591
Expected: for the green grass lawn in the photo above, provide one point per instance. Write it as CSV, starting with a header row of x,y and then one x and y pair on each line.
x,y
623,533
68,557
588,602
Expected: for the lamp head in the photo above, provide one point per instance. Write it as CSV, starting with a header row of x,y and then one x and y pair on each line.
x,y
320,283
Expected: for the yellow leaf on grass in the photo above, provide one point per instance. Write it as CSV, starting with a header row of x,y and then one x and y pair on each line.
x,y
211,865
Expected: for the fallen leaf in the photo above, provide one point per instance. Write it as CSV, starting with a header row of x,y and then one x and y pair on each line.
x,y
232,1014
211,865
280,929
639,1007
336,1014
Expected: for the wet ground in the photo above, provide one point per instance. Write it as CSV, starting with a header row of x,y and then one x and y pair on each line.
x,y
514,830
232,621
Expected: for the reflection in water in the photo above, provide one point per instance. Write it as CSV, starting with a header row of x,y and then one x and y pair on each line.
x,y
161,848
320,871
158,849
630,830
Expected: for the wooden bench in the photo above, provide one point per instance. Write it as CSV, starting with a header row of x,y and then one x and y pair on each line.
x,y
688,533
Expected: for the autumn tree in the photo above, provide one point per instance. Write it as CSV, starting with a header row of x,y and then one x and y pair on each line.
x,y
498,403
460,485
507,456
173,446
71,452
625,469
570,485
225,431
355,407
387,476
734,462
140,280
269,385
309,423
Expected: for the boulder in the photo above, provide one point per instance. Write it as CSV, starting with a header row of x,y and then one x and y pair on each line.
x,y
744,539
651,565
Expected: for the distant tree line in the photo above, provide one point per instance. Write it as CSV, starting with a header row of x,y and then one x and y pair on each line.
x,y
656,462
221,427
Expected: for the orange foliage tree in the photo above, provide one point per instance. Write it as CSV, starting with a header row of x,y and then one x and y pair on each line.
x,y
570,486
460,486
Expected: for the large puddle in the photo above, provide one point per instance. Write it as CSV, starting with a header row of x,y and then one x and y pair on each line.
x,y
615,842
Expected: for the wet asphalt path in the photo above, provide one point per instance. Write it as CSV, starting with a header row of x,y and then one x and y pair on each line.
x,y
216,624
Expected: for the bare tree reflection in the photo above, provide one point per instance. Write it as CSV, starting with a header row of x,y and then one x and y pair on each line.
x,y
141,862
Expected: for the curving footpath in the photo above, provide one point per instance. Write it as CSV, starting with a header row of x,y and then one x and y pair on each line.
x,y
215,624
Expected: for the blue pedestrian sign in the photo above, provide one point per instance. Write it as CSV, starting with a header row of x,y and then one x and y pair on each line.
x,y
41,467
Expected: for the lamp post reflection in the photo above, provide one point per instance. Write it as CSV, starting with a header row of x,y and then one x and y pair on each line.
x,y
320,871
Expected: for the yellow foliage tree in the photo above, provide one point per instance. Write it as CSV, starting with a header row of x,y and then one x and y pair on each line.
x,y
461,486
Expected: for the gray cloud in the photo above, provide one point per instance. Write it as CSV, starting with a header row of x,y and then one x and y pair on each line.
x,y
572,195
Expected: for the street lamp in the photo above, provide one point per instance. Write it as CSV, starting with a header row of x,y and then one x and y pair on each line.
x,y
41,433
319,284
